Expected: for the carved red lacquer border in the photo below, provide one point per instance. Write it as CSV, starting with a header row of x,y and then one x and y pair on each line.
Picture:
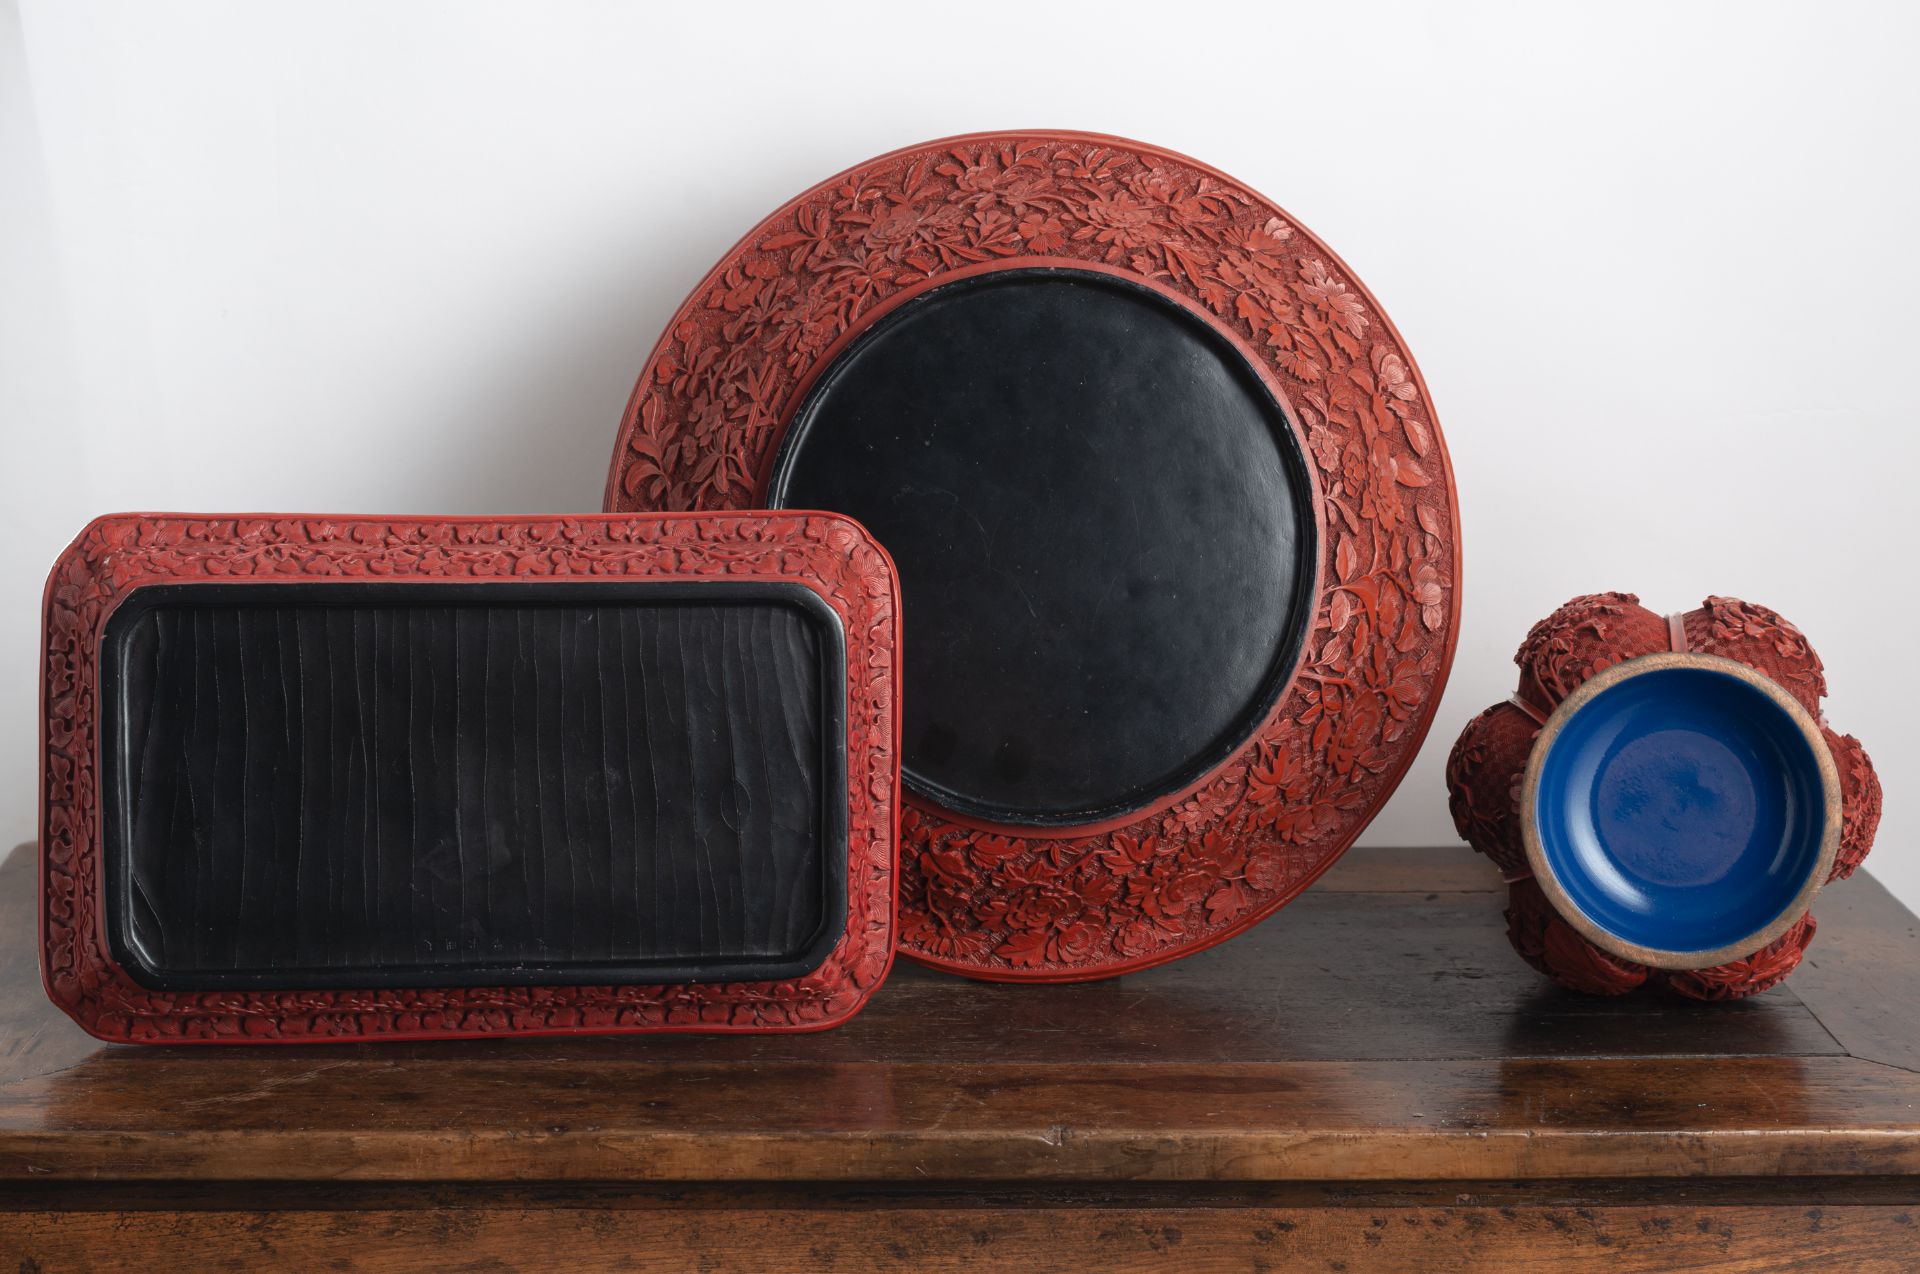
x,y
718,391
119,554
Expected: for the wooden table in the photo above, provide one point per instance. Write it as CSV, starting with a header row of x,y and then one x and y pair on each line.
x,y
1371,1080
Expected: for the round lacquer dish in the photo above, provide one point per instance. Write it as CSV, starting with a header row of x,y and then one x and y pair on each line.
x,y
1681,810
1174,525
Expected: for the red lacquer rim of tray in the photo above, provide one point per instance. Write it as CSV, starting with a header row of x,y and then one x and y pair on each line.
x,y
116,555
1065,903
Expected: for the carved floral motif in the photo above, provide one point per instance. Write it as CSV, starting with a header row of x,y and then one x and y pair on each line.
x,y
118,554
1488,762
718,390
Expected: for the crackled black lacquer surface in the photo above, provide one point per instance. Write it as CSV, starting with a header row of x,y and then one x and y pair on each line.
x,y
423,784
1103,527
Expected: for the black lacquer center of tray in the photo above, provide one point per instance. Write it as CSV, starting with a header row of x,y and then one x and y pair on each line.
x,y
1103,529
420,784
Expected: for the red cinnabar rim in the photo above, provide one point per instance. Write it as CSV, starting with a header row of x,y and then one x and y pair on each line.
x,y
1194,862
118,556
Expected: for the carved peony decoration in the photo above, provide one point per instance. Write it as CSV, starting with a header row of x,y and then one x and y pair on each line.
x,y
718,391
118,554
1582,638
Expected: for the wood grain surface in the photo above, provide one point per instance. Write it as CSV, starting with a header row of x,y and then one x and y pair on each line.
x,y
404,789
1064,1233
1373,1063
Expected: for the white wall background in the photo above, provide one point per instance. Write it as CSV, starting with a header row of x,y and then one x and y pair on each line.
x,y
1656,260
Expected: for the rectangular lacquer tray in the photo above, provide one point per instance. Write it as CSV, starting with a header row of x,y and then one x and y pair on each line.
x,y
344,777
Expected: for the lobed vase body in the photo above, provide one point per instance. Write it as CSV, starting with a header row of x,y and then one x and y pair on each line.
x,y
1508,805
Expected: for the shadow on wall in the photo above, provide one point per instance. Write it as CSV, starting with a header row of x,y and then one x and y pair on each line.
x,y
541,424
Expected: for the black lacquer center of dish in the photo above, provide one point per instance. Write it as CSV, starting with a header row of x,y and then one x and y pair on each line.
x,y
1103,528
408,784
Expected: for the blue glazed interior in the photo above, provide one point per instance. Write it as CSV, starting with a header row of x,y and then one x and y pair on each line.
x,y
1681,809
